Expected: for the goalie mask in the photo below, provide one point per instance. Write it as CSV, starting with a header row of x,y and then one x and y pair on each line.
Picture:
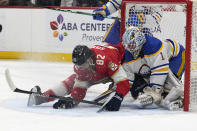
x,y
133,41
82,56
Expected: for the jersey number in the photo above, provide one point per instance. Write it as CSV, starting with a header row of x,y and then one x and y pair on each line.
x,y
101,59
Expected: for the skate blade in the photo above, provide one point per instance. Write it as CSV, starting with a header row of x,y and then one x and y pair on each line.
x,y
31,100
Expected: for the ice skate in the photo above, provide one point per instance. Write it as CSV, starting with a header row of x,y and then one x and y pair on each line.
x,y
35,98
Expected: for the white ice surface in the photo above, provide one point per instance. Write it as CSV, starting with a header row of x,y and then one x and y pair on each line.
x,y
16,116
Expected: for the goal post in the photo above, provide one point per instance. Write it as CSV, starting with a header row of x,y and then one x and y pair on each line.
x,y
168,19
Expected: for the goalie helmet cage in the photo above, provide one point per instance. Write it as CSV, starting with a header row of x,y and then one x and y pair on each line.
x,y
169,19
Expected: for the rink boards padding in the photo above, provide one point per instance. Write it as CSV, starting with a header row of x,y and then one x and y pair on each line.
x,y
43,56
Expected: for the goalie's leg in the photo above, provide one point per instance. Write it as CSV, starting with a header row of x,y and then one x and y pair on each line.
x,y
175,105
174,99
175,93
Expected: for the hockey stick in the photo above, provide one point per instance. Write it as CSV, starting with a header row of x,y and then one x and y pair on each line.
x,y
103,96
75,12
103,106
14,88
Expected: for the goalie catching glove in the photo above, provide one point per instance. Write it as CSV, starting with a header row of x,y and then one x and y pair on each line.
x,y
149,97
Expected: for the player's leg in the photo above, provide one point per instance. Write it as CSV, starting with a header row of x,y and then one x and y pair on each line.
x,y
63,88
174,99
173,88
173,85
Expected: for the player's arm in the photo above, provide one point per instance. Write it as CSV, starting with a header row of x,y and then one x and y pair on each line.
x,y
121,80
122,88
117,73
115,69
107,9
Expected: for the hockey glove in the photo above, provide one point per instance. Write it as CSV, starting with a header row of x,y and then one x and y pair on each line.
x,y
65,104
100,13
151,95
114,103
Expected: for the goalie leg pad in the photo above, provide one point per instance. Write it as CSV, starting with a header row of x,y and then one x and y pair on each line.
x,y
175,105
174,93
172,81
174,99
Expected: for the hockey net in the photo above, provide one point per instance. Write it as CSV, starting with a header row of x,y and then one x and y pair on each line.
x,y
169,19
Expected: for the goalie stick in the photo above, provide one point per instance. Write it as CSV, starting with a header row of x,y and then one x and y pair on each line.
x,y
71,11
103,106
14,88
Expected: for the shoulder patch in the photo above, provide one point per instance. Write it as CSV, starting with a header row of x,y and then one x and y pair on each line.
x,y
112,66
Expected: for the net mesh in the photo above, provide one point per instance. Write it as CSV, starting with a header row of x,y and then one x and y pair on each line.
x,y
160,20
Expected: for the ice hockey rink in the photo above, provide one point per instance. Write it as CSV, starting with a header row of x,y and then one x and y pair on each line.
x,y
16,116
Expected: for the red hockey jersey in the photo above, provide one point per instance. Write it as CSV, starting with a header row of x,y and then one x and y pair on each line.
x,y
107,65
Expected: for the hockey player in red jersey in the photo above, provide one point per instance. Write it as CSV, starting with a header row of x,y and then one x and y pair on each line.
x,y
99,64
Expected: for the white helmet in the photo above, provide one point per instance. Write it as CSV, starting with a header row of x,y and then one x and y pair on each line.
x,y
133,40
